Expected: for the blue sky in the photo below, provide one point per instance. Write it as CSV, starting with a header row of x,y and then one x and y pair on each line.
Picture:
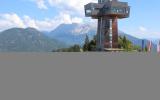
x,y
46,15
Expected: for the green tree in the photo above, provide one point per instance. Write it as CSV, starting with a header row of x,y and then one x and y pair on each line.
x,y
75,48
86,44
146,48
92,45
89,45
127,45
124,42
120,42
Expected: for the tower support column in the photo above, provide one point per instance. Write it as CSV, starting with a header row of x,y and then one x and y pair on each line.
x,y
114,33
100,35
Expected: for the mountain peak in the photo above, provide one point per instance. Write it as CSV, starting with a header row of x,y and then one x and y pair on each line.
x,y
27,40
14,28
69,24
21,29
30,28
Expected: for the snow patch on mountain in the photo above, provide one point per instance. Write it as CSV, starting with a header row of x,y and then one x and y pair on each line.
x,y
81,29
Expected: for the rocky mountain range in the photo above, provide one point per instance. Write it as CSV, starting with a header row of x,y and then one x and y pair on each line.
x,y
72,33
65,35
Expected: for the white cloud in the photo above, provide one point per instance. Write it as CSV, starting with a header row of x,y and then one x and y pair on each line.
x,y
77,20
10,20
50,24
13,20
142,29
67,19
146,33
75,7
72,7
29,22
41,4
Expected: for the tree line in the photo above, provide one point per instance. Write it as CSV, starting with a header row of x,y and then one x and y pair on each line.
x,y
90,45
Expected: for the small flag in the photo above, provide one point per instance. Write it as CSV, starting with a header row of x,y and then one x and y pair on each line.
x,y
149,46
158,47
142,45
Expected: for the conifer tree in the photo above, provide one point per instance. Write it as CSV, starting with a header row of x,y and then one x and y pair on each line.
x,y
86,44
